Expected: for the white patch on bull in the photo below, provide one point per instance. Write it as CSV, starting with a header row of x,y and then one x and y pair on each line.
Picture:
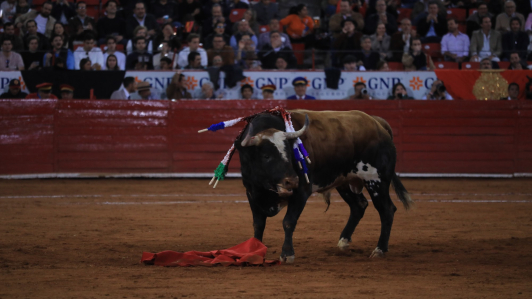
x,y
343,244
278,140
370,174
375,194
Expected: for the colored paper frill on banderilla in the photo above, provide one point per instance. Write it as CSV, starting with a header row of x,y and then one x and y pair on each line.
x,y
249,253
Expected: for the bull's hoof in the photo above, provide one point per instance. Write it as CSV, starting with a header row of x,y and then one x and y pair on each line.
x,y
287,259
376,253
343,244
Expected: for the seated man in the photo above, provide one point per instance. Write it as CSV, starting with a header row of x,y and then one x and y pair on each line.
x,y
194,61
16,40
67,92
381,16
335,22
14,91
165,64
32,58
400,41
350,64
31,26
347,41
491,50
44,91
300,87
246,91
455,44
366,57
94,54
281,64
143,92
9,60
81,19
111,24
140,55
516,63
129,86
193,46
437,92
270,52
431,26
361,92
220,48
264,38
513,92
503,19
58,53
267,91
485,64
243,28
515,40
475,20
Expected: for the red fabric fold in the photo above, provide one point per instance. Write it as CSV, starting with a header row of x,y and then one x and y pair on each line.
x,y
248,253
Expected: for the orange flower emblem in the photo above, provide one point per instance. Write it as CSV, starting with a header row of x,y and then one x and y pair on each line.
x,y
22,84
416,83
359,79
191,82
248,80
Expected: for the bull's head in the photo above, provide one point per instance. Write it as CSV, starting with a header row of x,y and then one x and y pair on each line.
x,y
270,158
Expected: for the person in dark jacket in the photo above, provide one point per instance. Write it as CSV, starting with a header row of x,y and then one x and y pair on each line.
x,y
366,56
139,16
348,40
431,26
270,52
140,55
62,11
515,40
382,16
112,24
14,91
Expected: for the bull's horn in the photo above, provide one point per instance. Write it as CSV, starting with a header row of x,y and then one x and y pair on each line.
x,y
293,135
250,140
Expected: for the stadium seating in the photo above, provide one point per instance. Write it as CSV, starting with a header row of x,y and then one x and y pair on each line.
x,y
404,13
395,66
264,28
470,65
433,50
448,65
504,64
299,52
458,13
236,15
471,11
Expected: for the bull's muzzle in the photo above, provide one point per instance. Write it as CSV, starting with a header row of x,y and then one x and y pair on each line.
x,y
287,186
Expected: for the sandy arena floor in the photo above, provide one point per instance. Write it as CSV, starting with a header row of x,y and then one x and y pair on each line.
x,y
84,239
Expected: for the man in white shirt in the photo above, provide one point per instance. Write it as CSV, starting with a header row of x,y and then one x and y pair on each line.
x,y
193,46
89,51
486,42
111,49
129,86
455,44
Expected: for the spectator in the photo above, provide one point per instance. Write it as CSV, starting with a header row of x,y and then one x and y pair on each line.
x,y
59,54
437,92
420,59
129,86
431,25
44,91
31,26
380,42
111,50
237,4
264,38
9,60
475,20
246,91
347,41
361,93
67,92
22,8
243,28
300,87
351,65
335,23
299,26
189,10
165,52
111,63
210,24
111,24
220,48
193,46
479,49
399,92
81,19
9,33
194,61
251,62
485,64
381,16
218,29
141,18
44,22
176,89
62,11
382,65
90,51
249,16
207,91
167,35
246,48
140,31
269,53
281,64
265,11
455,44
513,92
164,11
9,9
400,41
408,62
217,60
165,64
515,40
140,55
516,63
14,91
85,64
144,92
503,19
366,57
267,92
59,29
33,59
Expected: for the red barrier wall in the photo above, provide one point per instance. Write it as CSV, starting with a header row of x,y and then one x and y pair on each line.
x,y
106,136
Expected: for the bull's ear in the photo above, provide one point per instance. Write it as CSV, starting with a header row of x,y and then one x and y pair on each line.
x,y
250,140
293,135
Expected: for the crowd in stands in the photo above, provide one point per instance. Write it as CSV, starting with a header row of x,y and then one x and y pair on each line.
x,y
353,35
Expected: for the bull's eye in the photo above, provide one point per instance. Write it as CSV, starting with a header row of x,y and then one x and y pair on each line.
x,y
266,157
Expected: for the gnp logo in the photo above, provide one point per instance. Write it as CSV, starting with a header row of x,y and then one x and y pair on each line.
x,y
4,81
416,83
248,80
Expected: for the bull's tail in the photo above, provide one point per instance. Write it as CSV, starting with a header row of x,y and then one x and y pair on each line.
x,y
401,192
327,198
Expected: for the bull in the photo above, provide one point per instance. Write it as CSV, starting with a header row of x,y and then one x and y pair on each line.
x,y
349,150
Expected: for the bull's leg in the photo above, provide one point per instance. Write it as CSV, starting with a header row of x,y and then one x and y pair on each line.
x,y
293,212
259,219
379,192
357,204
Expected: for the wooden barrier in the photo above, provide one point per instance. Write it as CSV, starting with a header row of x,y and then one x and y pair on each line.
x,y
108,137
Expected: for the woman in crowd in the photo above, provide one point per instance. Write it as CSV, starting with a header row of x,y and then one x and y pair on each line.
x,y
380,42
59,29
399,92
85,64
112,63
299,26
219,28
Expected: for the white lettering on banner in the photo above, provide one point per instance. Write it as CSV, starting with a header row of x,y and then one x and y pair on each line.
x,y
5,77
379,84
